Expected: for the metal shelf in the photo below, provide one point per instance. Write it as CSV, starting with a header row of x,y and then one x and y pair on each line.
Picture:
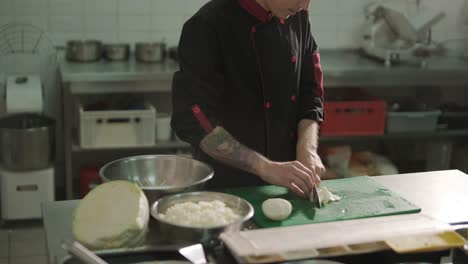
x,y
159,146
402,135
341,68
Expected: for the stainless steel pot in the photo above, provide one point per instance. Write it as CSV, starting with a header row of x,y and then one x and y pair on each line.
x,y
206,236
116,52
159,175
83,50
27,141
150,52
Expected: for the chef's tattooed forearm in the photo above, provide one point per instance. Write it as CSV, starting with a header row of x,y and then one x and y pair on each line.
x,y
222,146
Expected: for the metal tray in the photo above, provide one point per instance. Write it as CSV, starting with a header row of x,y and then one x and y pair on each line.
x,y
160,253
155,248
137,255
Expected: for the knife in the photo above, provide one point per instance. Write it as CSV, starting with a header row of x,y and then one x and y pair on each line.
x,y
82,253
315,198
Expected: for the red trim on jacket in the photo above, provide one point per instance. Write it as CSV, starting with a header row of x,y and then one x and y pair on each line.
x,y
202,119
255,10
318,73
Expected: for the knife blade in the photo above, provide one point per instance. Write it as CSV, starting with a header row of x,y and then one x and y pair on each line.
x,y
315,198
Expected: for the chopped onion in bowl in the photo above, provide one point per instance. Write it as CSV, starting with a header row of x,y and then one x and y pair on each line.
x,y
203,214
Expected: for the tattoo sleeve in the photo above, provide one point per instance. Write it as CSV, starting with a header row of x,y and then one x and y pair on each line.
x,y
222,146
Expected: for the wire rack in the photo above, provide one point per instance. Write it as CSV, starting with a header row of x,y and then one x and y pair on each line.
x,y
19,38
28,50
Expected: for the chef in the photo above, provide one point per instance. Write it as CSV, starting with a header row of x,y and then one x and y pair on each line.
x,y
249,93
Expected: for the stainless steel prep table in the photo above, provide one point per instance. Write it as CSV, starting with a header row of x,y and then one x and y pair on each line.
x,y
441,195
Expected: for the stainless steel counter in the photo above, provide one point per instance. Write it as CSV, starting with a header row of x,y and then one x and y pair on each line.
x,y
442,195
341,68
351,68
104,71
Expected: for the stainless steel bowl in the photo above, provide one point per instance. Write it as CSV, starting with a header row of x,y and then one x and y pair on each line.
x,y
190,235
159,175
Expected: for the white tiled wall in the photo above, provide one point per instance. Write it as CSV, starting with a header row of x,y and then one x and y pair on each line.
x,y
336,23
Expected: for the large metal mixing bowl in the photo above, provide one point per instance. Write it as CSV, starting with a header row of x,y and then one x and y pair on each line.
x,y
181,234
27,142
159,175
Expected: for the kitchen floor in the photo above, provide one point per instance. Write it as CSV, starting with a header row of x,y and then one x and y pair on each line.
x,y
22,243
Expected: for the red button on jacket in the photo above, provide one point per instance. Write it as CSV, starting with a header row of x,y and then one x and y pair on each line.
x,y
196,109
293,59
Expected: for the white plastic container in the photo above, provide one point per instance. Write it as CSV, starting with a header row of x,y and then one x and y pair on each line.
x,y
163,127
22,193
117,128
412,121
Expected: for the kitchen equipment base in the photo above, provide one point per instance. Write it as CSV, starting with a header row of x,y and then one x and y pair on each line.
x,y
22,193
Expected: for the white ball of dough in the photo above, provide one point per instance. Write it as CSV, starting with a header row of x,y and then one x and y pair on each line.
x,y
276,209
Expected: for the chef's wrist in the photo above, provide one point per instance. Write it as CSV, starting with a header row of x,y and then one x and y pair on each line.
x,y
306,148
261,167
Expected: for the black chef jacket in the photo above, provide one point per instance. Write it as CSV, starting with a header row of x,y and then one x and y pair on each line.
x,y
253,74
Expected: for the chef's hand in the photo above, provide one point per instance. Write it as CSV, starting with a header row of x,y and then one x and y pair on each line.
x,y
311,160
292,175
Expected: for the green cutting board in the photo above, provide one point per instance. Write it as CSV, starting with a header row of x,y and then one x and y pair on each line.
x,y
362,197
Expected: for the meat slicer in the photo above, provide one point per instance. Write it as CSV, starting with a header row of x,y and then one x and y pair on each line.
x,y
393,37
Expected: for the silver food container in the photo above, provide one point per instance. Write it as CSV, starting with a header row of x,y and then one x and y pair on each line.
x,y
27,141
116,52
208,237
150,52
84,50
159,175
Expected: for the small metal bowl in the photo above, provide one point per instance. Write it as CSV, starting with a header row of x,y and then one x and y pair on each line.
x,y
209,236
159,175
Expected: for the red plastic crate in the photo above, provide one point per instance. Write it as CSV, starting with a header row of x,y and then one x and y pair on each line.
x,y
354,118
89,178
